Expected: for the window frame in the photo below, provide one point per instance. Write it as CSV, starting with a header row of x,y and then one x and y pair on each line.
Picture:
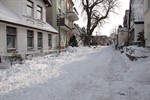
x,y
31,7
12,34
39,11
30,37
50,40
40,46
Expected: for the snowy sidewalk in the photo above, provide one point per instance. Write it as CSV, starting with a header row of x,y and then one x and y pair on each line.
x,y
87,74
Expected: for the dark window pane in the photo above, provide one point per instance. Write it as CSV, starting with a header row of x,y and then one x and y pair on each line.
x,y
39,39
11,37
49,40
30,42
30,38
39,42
11,41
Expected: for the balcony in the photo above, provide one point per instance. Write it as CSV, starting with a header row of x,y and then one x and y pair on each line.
x,y
73,15
62,24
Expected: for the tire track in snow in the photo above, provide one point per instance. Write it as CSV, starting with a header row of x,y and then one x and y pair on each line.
x,y
93,85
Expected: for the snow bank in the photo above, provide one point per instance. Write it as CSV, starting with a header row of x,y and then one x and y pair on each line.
x,y
36,71
136,51
70,49
140,69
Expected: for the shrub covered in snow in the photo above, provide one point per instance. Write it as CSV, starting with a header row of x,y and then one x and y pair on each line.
x,y
70,49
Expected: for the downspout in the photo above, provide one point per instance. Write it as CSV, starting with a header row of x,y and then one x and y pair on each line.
x,y
129,22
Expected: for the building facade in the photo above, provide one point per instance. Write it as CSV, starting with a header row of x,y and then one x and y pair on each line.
x,y
147,22
122,36
136,19
23,27
100,40
62,15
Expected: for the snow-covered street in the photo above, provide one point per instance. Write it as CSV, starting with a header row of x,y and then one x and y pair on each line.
x,y
83,74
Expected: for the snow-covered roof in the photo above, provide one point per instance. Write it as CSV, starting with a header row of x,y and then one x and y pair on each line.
x,y
7,15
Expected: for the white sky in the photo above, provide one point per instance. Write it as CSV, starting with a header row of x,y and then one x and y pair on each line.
x,y
114,20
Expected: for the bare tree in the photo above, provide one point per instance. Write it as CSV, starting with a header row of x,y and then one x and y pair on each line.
x,y
113,36
96,13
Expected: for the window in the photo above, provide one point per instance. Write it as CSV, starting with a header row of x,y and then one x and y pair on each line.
x,y
39,12
30,39
11,38
49,40
29,8
39,40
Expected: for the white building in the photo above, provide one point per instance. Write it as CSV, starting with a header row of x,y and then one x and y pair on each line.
x,y
23,27
136,19
147,21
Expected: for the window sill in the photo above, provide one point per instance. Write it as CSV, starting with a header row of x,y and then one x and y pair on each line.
x,y
32,18
10,50
31,49
40,48
50,48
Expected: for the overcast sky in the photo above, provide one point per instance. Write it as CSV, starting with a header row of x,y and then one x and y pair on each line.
x,y
113,21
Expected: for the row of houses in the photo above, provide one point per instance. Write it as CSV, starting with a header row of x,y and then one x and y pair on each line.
x,y
30,26
136,22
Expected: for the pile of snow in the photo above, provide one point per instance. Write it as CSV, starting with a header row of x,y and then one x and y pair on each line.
x,y
70,49
36,71
136,51
139,70
140,73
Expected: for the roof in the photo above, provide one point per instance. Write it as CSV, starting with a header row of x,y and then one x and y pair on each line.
x,y
7,15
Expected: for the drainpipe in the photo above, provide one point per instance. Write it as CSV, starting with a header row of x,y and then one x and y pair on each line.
x,y
129,21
